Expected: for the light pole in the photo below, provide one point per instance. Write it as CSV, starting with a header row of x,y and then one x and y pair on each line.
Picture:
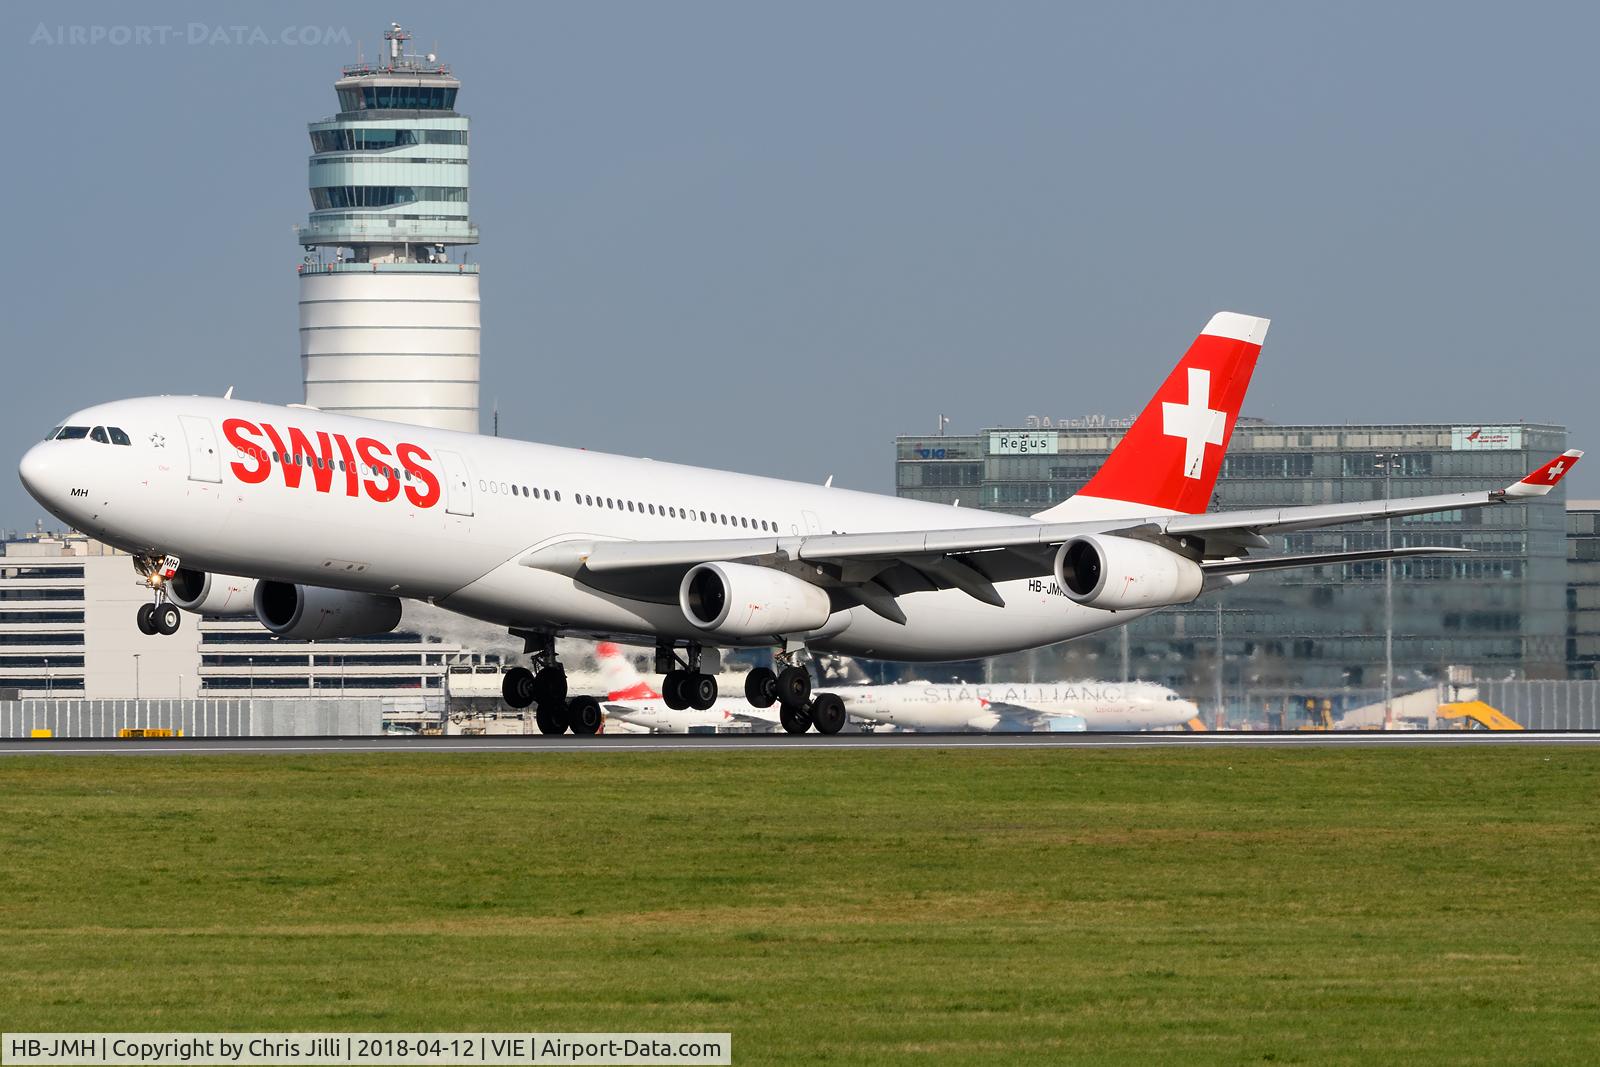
x,y
1386,462
49,679
1219,663
252,662
136,677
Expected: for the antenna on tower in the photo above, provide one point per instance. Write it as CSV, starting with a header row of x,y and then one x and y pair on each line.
x,y
497,416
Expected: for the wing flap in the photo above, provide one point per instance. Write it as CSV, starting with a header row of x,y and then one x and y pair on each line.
x,y
1318,559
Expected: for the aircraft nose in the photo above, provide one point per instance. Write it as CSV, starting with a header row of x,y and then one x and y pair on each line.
x,y
34,470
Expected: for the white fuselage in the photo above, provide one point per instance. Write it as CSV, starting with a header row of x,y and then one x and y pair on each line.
x,y
1018,706
202,479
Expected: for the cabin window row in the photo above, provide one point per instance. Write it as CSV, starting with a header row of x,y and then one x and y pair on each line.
x,y
672,512
513,489
665,511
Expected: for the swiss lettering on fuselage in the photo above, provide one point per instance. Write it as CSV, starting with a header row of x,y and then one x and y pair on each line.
x,y
334,462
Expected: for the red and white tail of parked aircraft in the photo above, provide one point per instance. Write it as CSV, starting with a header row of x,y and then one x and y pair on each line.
x,y
331,521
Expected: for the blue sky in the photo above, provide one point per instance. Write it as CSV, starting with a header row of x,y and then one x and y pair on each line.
x,y
772,236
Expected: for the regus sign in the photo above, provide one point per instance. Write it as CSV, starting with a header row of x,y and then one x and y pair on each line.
x,y
1022,444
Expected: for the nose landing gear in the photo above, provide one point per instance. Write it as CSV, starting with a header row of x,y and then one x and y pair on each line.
x,y
161,616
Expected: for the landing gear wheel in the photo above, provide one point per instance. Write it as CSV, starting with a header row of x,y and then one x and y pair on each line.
x,y
701,689
146,619
827,712
584,715
761,687
516,687
551,717
671,690
794,687
167,619
550,685
794,721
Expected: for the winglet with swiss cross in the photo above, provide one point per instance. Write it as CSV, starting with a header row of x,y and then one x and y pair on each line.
x,y
1545,478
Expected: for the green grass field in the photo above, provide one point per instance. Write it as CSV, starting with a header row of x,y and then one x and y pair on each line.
x,y
1323,906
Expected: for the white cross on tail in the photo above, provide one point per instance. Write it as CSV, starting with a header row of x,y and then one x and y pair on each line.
x,y
1555,472
1195,421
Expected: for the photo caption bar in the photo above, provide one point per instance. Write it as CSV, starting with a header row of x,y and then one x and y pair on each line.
x,y
330,1048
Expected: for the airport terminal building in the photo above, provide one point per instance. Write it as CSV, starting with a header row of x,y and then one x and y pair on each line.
x,y
66,631
1501,612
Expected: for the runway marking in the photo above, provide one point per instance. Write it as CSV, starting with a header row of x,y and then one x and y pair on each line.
x,y
762,743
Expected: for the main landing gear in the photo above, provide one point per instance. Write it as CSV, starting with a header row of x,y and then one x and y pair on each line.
x,y
684,684
545,689
160,616
790,688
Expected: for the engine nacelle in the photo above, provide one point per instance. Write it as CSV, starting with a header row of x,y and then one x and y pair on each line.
x,y
220,595
310,612
738,600
1120,573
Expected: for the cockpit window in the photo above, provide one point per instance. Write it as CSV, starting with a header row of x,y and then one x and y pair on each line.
x,y
72,433
99,434
117,436
51,436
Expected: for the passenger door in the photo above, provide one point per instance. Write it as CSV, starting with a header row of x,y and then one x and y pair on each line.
x,y
205,465
458,484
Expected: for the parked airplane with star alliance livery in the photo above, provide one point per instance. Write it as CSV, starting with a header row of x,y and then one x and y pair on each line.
x,y
1011,707
320,524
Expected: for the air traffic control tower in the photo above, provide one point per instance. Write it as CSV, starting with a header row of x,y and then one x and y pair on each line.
x,y
388,320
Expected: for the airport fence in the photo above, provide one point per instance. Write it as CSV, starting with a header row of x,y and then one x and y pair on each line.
x,y
193,718
1546,705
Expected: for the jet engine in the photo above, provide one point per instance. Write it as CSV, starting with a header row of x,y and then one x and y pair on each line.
x,y
219,595
738,600
1120,573
310,612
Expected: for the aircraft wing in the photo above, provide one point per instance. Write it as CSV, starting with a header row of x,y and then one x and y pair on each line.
x,y
755,718
1020,715
872,569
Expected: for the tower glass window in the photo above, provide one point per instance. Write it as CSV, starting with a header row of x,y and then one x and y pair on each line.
x,y
407,98
338,196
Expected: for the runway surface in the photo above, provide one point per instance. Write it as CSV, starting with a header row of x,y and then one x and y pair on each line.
x,y
623,743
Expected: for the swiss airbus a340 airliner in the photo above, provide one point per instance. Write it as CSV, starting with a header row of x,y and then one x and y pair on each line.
x,y
320,524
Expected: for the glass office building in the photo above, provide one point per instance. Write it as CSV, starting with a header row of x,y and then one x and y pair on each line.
x,y
1501,611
